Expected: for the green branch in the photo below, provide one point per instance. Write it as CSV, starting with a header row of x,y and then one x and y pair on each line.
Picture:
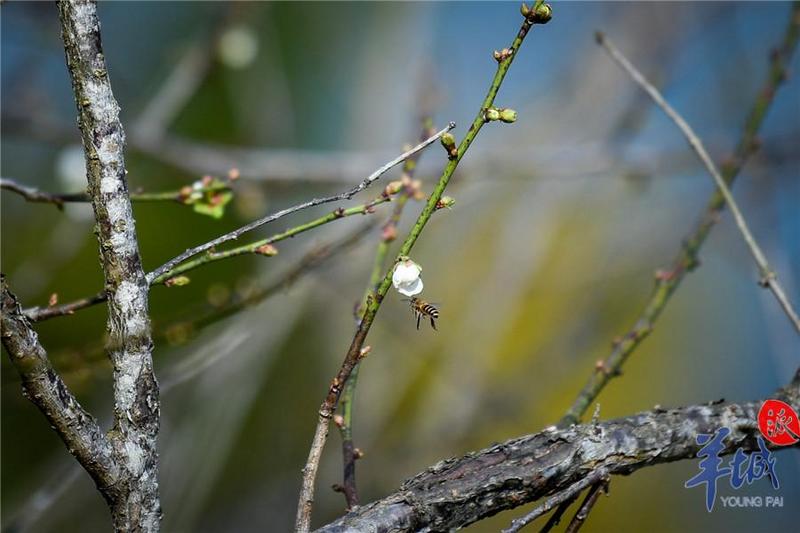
x,y
203,193
264,246
539,14
350,454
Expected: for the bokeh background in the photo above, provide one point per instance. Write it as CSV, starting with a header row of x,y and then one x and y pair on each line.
x,y
561,220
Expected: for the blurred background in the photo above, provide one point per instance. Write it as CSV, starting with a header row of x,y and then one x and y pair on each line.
x,y
561,220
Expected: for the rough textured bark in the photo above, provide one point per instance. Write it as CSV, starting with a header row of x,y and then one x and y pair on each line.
x,y
45,389
458,492
136,403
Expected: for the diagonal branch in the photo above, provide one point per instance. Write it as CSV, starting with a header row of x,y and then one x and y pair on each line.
x,y
540,13
136,402
45,389
768,277
457,492
686,259
350,454
346,195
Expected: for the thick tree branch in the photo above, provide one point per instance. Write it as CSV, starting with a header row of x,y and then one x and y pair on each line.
x,y
45,389
686,259
458,492
136,403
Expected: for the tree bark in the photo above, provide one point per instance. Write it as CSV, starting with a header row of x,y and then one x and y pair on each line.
x,y
136,401
458,492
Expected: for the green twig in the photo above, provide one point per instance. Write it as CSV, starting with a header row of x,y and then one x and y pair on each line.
x,y
32,194
263,246
539,14
687,259
350,454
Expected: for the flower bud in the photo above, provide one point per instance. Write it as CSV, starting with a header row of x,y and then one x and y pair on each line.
x,y
508,115
177,281
449,143
389,233
393,187
542,15
266,249
502,55
405,278
491,114
445,202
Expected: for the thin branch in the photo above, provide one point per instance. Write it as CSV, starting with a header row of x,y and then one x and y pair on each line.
x,y
136,403
32,194
457,492
350,454
555,518
567,494
314,258
346,195
261,246
588,504
37,314
45,389
539,14
768,277
686,259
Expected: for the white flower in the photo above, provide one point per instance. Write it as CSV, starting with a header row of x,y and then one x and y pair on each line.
x,y
405,278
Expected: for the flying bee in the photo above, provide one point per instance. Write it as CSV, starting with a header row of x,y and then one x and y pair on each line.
x,y
421,308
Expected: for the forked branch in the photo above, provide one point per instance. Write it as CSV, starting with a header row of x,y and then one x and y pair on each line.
x,y
768,277
686,260
540,13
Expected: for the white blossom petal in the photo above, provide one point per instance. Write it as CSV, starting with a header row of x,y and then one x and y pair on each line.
x,y
405,272
410,289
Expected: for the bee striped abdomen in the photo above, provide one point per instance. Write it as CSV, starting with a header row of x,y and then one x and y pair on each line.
x,y
422,308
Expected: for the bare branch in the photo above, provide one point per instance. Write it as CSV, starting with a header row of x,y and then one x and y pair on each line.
x,y
346,195
457,492
32,194
45,389
136,403
686,260
566,495
768,277
183,196
588,504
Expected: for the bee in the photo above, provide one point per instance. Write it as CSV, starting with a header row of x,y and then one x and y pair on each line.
x,y
421,308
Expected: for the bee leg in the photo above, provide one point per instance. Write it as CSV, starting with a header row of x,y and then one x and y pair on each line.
x,y
419,317
433,324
